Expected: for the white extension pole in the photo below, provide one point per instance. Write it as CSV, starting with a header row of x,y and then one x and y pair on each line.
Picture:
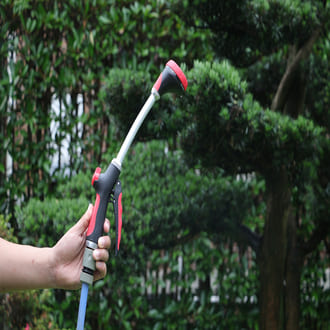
x,y
154,96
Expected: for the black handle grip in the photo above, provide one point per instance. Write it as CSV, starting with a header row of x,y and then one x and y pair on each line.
x,y
103,184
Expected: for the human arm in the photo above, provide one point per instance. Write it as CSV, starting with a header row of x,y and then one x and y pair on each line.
x,y
28,267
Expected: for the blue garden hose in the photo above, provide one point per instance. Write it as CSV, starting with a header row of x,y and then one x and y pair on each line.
x,y
82,306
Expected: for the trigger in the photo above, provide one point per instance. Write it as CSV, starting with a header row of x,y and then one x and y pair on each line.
x,y
118,210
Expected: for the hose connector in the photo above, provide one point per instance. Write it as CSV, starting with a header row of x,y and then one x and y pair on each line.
x,y
87,273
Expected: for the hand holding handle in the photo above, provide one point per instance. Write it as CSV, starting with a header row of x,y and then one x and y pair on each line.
x,y
103,184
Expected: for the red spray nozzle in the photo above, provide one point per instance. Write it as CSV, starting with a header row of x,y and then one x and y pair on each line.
x,y
172,79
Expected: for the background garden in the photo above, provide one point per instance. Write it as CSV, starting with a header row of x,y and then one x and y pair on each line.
x,y
225,192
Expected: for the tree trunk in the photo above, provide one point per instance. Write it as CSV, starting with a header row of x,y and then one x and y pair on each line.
x,y
293,107
281,257
272,258
294,265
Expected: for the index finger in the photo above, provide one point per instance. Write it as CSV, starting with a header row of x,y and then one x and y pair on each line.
x,y
106,226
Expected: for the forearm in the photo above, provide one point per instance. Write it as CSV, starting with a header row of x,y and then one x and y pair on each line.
x,y
25,267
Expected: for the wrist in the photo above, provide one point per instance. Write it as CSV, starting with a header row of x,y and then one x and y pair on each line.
x,y
52,268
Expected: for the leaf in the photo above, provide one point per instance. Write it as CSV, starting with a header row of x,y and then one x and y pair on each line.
x,y
104,19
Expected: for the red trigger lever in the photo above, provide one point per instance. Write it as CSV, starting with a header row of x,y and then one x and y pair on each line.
x,y
118,210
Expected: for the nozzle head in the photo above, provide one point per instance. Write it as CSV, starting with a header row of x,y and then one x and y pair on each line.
x,y
172,79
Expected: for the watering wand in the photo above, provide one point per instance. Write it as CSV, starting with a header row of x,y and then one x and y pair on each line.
x,y
108,187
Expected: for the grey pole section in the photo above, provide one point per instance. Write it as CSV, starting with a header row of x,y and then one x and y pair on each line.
x,y
154,96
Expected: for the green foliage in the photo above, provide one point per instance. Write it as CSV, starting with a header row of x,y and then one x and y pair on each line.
x,y
78,187
6,232
197,196
318,90
245,31
236,127
19,309
263,77
43,223
151,31
315,300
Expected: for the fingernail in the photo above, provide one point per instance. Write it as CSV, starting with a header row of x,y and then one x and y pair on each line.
x,y
97,254
101,243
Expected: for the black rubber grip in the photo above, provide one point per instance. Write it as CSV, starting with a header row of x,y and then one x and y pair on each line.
x,y
103,184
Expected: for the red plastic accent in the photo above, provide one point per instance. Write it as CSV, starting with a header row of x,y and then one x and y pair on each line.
x,y
158,83
120,222
96,175
178,72
91,225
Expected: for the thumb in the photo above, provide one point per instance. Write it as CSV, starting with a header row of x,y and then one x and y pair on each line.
x,y
82,225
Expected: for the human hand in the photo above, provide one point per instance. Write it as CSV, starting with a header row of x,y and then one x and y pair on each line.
x,y
69,250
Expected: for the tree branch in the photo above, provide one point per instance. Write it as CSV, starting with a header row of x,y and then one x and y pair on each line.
x,y
286,81
249,237
241,234
170,243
